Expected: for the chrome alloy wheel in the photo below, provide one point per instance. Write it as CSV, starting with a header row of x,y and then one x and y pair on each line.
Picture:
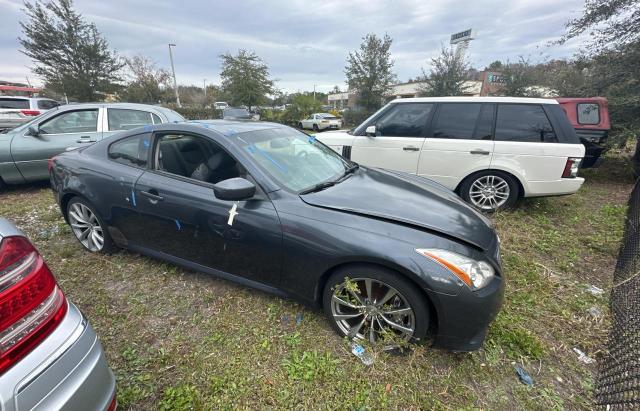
x,y
86,227
369,309
489,192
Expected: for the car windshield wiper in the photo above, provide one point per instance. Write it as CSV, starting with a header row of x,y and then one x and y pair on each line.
x,y
318,187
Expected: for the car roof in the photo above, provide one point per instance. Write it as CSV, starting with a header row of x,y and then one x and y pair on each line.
x,y
27,98
229,127
521,100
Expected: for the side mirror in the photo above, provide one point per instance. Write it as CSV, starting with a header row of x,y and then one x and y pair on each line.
x,y
33,131
234,189
370,131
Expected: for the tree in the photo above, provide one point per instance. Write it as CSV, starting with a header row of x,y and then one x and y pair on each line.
x,y
70,55
368,71
614,24
519,79
447,76
147,84
245,78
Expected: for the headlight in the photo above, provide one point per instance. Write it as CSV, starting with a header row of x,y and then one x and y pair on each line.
x,y
475,274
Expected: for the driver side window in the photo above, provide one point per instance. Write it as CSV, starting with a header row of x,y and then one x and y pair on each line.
x,y
80,121
404,120
196,158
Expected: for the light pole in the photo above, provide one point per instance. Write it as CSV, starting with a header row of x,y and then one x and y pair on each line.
x,y
314,92
204,87
175,82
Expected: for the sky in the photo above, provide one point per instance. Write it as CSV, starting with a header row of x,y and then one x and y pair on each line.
x,y
306,42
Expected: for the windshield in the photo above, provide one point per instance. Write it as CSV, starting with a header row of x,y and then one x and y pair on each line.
x,y
34,120
360,129
295,160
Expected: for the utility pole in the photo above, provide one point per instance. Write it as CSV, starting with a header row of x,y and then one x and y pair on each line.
x,y
175,82
314,92
204,87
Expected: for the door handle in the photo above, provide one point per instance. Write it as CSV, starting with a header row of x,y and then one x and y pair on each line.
x,y
152,195
85,139
410,148
478,151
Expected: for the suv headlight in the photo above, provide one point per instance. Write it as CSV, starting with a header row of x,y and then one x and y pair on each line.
x,y
475,274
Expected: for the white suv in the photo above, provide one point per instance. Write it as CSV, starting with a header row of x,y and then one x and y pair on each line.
x,y
490,150
16,110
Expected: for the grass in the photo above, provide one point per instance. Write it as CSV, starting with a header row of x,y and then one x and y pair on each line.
x,y
181,340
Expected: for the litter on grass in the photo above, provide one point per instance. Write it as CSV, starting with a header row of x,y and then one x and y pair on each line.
x,y
595,312
524,376
360,352
583,357
595,290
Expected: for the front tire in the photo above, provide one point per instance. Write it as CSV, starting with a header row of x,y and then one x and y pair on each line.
x,y
490,190
300,126
88,228
375,304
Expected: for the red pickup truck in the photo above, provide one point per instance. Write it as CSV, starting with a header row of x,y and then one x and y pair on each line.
x,y
590,118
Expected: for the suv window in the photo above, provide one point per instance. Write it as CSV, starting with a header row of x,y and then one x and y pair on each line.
x,y
132,151
464,121
588,113
14,103
524,123
126,119
81,121
47,104
404,120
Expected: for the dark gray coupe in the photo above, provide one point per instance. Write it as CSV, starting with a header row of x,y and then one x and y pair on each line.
x,y
388,256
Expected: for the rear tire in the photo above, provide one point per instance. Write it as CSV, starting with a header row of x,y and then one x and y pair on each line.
x,y
490,190
2,184
88,227
315,128
395,308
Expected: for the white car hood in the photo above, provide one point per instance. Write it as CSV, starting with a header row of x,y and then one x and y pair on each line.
x,y
335,138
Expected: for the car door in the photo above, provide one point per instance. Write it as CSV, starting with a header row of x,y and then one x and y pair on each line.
x,y
398,139
308,122
180,216
117,119
459,142
71,128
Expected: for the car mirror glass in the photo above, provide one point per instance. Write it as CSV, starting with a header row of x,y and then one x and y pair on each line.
x,y
234,189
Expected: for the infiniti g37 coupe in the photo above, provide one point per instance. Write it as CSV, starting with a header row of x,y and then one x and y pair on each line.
x,y
384,253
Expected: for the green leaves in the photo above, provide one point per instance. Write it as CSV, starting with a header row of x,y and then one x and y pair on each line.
x,y
245,78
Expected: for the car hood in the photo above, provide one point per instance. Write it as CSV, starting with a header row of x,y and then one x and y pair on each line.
x,y
407,199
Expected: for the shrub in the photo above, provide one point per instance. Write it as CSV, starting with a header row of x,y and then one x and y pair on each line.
x,y
354,118
197,113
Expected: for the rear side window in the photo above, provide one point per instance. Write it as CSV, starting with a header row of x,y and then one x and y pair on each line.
x,y
588,113
125,119
465,121
404,120
131,151
156,119
524,123
47,104
14,103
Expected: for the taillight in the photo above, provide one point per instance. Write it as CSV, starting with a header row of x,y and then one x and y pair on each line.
x,y
30,112
31,304
571,167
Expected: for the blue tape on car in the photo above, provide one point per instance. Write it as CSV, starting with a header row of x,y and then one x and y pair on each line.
x,y
312,139
230,132
133,197
148,128
145,142
268,157
178,225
